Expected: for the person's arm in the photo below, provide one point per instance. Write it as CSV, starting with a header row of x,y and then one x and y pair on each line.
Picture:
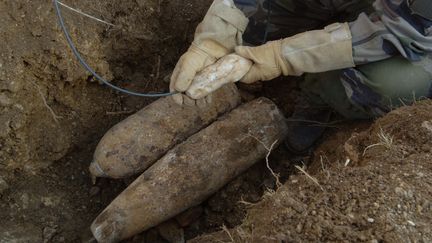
x,y
216,36
392,30
308,52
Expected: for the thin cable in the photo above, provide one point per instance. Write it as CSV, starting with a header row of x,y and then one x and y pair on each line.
x,y
92,71
86,15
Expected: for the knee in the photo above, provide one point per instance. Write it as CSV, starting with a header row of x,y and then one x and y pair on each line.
x,y
397,78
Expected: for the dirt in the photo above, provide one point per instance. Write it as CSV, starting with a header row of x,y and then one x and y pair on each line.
x,y
53,113
384,195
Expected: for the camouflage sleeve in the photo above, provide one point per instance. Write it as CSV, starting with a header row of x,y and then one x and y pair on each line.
x,y
391,30
278,19
305,7
379,32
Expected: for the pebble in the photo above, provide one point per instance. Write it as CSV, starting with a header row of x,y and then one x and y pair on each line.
x,y
25,200
5,128
48,233
14,86
299,228
411,223
4,100
371,220
3,185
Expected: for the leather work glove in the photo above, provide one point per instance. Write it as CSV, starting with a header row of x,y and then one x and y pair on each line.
x,y
216,36
309,52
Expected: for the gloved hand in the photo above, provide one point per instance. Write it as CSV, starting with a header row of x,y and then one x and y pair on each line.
x,y
216,36
191,63
309,52
268,60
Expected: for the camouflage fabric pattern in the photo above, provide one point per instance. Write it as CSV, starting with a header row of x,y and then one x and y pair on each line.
x,y
380,87
392,49
384,32
283,18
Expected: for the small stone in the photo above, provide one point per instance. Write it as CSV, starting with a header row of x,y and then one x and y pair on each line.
x,y
49,233
19,107
371,220
411,223
14,86
49,201
25,200
363,237
171,232
3,185
4,100
5,128
189,216
409,194
299,228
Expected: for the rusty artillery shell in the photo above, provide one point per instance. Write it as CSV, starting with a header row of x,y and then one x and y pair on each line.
x,y
136,143
194,170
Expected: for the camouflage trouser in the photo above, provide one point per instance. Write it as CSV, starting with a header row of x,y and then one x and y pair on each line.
x,y
367,91
370,90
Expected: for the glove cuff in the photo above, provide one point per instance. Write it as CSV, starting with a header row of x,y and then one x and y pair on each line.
x,y
231,15
318,51
209,49
223,26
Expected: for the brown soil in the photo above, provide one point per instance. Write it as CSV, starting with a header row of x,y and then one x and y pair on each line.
x,y
52,115
382,195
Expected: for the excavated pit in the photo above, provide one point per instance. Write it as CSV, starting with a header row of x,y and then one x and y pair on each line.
x,y
53,114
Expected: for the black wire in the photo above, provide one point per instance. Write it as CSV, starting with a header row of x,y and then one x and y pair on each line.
x,y
91,70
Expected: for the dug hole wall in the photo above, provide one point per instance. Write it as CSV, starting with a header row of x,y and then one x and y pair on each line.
x,y
193,170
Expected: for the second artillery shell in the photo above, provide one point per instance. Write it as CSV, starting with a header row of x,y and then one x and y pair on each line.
x,y
194,170
136,143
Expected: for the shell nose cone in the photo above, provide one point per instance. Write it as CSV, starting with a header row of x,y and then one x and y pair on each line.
x,y
96,170
104,230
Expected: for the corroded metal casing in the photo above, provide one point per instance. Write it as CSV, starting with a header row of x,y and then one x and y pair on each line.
x,y
136,143
194,170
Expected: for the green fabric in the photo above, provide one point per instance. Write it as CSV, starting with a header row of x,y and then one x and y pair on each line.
x,y
326,89
397,81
